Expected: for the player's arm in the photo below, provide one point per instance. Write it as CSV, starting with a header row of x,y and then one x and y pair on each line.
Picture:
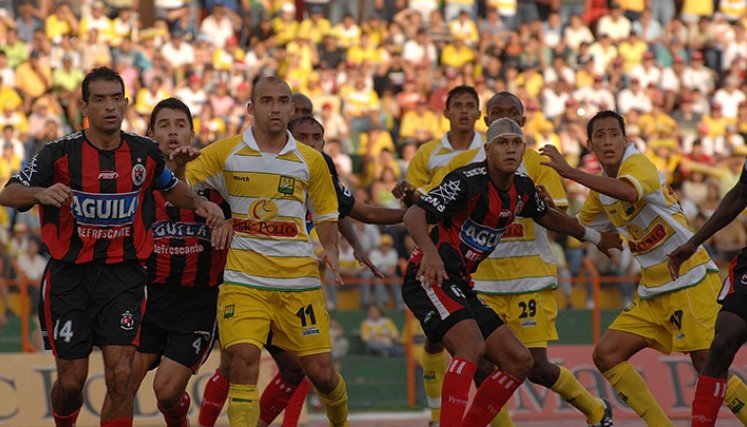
x,y
181,196
431,266
561,223
345,225
35,184
324,209
369,214
733,203
619,188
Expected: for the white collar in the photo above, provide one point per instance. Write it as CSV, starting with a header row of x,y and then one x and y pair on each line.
x,y
248,138
476,141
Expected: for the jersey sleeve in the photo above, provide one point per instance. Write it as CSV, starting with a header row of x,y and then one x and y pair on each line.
x,y
447,199
461,159
39,172
548,178
206,171
323,207
535,207
165,179
417,172
640,172
345,198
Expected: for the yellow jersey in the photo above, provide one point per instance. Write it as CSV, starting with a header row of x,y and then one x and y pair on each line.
x,y
269,195
433,156
523,261
654,226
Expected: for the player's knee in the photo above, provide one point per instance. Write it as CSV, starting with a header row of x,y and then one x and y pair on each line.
x,y
520,364
433,347
543,373
241,368
606,357
118,379
473,351
484,369
70,385
168,393
292,375
323,376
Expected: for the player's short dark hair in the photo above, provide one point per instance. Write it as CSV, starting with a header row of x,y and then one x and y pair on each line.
x,y
460,90
304,119
171,104
505,94
269,79
604,115
100,73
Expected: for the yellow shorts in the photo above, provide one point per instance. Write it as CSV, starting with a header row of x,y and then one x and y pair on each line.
x,y
681,321
530,316
299,320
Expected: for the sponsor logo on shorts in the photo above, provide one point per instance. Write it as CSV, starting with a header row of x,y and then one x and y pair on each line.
x,y
311,330
108,175
287,185
228,312
429,316
530,323
127,322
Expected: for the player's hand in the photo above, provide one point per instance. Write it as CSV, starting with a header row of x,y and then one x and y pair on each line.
x,y
363,259
184,154
545,195
557,161
57,195
222,236
432,268
403,190
609,241
212,213
334,264
679,256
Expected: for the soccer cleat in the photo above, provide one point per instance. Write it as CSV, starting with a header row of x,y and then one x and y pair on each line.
x,y
433,424
607,417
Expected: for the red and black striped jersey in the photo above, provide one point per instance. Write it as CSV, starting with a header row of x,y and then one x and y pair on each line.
x,y
183,255
471,215
109,216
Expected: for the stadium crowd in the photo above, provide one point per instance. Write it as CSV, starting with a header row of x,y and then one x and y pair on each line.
x,y
378,72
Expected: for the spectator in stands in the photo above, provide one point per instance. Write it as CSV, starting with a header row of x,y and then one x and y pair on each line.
x,y
30,267
379,334
385,259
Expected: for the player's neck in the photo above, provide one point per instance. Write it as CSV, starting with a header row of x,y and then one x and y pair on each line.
x,y
103,140
269,143
501,180
460,140
611,170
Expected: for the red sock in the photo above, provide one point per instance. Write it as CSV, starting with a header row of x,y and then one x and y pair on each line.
x,y
119,422
177,416
455,391
65,420
490,398
709,395
274,399
213,399
295,405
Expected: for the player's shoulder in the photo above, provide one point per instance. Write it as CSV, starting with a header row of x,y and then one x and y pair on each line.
x,y
523,183
467,156
223,147
66,143
310,154
473,172
428,147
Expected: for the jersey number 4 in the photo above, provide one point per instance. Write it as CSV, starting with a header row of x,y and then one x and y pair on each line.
x,y
306,312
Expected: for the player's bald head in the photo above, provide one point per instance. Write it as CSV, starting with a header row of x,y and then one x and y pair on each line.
x,y
505,96
303,105
271,83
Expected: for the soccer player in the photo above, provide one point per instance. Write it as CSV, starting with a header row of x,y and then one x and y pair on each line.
x,y
462,111
270,182
671,314
288,388
518,278
471,209
95,191
184,272
731,324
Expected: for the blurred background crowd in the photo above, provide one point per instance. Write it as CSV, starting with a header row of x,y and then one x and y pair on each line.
x,y
378,72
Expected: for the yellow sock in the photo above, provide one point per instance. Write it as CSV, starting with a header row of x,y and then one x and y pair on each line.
x,y
568,387
503,419
633,390
243,405
434,369
336,403
736,398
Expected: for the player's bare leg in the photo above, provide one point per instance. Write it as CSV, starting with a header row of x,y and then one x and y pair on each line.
x,y
67,390
731,333
243,371
330,385
118,361
611,357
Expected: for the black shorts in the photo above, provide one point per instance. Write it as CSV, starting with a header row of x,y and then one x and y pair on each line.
x,y
83,305
180,324
440,308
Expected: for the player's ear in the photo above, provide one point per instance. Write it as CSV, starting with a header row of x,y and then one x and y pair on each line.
x,y
250,108
522,121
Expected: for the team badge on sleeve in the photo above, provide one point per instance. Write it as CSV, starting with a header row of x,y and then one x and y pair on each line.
x,y
138,174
